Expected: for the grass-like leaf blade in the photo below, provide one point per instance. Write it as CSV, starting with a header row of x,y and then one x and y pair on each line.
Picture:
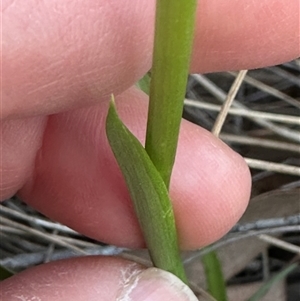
x,y
214,276
263,290
4,273
149,195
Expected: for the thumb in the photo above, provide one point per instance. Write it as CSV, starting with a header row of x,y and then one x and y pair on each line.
x,y
155,285
94,278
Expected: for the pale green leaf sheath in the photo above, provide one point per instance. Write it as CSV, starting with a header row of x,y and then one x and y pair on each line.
x,y
149,195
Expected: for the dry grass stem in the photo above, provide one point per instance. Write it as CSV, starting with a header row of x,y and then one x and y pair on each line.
x,y
261,142
42,235
274,167
229,99
220,95
232,238
36,221
288,119
280,243
287,75
293,220
270,90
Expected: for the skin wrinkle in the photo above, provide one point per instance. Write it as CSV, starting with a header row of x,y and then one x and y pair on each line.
x,y
8,4
128,272
280,22
132,50
40,88
128,284
79,53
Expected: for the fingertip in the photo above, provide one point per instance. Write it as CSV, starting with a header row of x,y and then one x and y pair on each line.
x,y
78,279
232,36
94,278
211,187
63,55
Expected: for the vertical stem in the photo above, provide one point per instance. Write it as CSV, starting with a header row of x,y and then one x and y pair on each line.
x,y
214,276
174,30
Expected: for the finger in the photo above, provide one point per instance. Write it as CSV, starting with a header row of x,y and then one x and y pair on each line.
x,y
20,141
94,278
77,181
233,36
62,55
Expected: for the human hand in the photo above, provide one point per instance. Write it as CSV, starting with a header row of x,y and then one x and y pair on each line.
x,y
60,64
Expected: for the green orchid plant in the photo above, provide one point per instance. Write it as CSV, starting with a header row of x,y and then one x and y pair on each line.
x,y
147,170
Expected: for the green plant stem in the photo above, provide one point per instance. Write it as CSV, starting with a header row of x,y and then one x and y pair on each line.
x,y
174,31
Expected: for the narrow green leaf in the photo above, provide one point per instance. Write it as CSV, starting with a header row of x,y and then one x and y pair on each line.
x,y
149,195
4,273
174,30
263,290
214,276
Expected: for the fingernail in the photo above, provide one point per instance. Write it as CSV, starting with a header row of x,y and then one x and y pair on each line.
x,y
155,285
